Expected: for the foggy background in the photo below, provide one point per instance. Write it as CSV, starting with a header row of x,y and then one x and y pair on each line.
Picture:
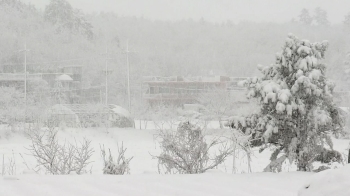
x,y
165,38
211,10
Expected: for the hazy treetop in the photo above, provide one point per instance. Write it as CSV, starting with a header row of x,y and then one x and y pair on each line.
x,y
211,10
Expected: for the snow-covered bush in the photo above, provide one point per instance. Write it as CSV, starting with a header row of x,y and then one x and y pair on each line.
x,y
328,156
118,167
297,112
58,159
94,116
185,151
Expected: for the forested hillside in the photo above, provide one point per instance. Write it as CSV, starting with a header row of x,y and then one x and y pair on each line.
x,y
61,35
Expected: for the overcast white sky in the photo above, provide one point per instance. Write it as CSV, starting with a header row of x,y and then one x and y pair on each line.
x,y
211,10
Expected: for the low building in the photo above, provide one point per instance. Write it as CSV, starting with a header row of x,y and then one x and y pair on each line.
x,y
185,90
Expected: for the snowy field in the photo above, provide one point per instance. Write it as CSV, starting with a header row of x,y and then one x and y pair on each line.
x,y
144,178
268,184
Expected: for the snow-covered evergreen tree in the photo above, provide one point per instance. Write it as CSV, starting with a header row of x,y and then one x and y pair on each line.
x,y
305,17
321,17
297,112
64,16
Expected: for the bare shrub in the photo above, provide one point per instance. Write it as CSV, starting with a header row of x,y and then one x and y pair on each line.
x,y
59,159
241,143
10,167
163,116
345,134
142,110
220,104
118,167
185,151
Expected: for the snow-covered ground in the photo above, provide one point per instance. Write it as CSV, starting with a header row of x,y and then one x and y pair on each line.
x,y
144,179
329,182
261,184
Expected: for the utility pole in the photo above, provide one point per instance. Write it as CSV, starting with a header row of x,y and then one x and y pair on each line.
x,y
349,154
128,68
106,77
25,82
25,74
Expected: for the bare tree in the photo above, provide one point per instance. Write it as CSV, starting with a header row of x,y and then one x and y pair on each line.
x,y
59,159
241,142
219,104
164,115
141,110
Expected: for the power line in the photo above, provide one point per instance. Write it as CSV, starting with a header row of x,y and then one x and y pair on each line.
x,y
58,61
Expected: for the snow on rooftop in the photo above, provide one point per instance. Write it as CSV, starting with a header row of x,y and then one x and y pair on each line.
x,y
64,77
119,110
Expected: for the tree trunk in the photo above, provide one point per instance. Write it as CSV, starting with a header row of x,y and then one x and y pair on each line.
x,y
303,163
276,165
302,166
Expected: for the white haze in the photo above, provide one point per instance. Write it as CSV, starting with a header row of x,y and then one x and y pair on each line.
x,y
211,10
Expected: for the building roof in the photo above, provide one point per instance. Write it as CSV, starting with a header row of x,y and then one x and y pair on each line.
x,y
64,77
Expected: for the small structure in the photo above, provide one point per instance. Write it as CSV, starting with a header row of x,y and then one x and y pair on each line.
x,y
75,71
64,77
60,114
81,115
120,117
65,80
